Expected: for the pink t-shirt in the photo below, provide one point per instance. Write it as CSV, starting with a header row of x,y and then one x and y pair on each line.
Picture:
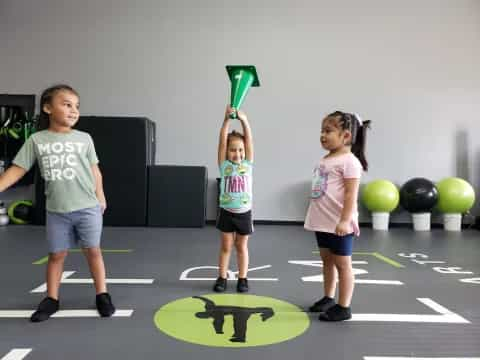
x,y
328,192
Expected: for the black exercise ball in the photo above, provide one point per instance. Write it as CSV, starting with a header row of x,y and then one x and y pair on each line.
x,y
418,195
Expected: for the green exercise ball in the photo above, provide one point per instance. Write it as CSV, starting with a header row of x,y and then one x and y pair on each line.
x,y
20,212
380,196
455,195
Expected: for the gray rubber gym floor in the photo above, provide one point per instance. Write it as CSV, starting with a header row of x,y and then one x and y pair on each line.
x,y
416,296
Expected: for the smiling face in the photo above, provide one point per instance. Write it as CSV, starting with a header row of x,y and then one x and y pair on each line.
x,y
63,110
236,150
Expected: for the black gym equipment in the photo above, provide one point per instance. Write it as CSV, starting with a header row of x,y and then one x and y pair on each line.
x,y
125,146
16,125
177,196
418,195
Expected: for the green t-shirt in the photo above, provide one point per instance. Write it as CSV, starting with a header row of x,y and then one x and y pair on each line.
x,y
65,161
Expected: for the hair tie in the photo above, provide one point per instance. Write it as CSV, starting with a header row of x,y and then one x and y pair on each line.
x,y
359,119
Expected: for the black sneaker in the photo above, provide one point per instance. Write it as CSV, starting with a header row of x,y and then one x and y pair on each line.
x,y
336,313
242,285
220,284
104,305
322,305
237,339
46,308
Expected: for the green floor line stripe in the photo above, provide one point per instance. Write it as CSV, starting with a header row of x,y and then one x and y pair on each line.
x,y
41,261
377,255
387,260
44,259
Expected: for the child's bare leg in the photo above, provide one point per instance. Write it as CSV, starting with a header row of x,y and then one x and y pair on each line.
x,y
50,305
54,272
241,245
342,310
97,268
345,279
329,273
103,300
227,240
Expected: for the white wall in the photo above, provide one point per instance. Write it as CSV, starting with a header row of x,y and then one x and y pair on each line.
x,y
410,66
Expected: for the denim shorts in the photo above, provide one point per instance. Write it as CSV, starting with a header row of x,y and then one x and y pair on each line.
x,y
80,228
339,245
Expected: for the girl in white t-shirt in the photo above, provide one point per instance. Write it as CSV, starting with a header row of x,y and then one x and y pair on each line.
x,y
333,213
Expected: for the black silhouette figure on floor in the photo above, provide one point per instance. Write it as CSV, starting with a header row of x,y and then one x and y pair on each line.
x,y
240,317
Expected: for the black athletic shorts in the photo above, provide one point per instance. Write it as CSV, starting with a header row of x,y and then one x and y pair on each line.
x,y
232,222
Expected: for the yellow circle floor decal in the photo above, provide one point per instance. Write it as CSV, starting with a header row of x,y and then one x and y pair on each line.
x,y
231,320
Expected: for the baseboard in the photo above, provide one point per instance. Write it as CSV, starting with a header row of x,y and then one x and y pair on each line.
x,y
268,222
362,224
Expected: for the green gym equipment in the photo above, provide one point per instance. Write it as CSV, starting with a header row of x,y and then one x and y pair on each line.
x,y
242,77
20,212
380,196
455,195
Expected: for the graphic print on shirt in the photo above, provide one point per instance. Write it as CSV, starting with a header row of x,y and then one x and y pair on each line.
x,y
228,170
235,185
59,159
242,169
319,182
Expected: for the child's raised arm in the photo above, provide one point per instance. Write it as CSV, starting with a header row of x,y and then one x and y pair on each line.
x,y
247,133
11,176
222,141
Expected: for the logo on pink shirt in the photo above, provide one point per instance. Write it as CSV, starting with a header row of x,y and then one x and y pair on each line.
x,y
319,183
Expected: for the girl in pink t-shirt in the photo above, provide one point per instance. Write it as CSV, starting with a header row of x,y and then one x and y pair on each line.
x,y
333,213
